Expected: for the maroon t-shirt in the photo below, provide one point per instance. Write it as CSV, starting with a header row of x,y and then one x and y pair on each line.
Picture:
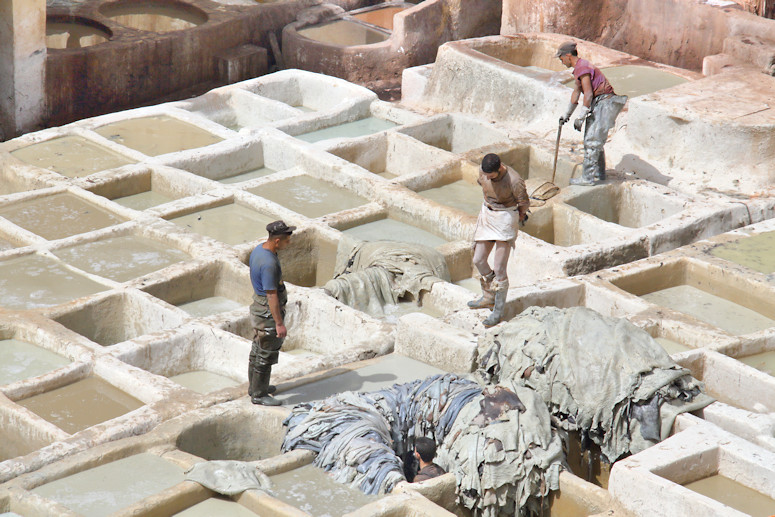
x,y
600,84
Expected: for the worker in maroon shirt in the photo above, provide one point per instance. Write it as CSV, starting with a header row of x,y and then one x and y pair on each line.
x,y
599,111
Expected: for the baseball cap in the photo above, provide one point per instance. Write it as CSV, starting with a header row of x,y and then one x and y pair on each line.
x,y
566,48
279,228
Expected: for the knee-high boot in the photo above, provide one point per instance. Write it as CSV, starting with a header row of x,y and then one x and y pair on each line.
x,y
272,387
501,291
488,295
259,386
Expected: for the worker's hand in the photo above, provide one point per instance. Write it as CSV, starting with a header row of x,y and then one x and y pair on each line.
x,y
565,118
582,117
522,217
281,331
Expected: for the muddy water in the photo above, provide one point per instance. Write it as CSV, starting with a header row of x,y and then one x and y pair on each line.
x,y
309,196
402,308
209,306
311,489
635,80
143,200
344,33
73,35
232,224
153,17
392,230
756,252
461,194
34,281
764,361
733,494
6,245
121,258
216,506
59,216
380,17
588,465
202,381
363,127
719,312
71,156
564,506
670,346
153,136
108,488
82,404
326,264
248,175
20,360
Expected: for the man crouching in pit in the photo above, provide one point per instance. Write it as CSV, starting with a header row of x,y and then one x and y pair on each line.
x,y
505,204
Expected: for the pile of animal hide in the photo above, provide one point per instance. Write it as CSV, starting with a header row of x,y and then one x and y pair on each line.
x,y
601,376
374,274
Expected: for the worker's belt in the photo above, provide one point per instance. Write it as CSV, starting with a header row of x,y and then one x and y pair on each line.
x,y
512,208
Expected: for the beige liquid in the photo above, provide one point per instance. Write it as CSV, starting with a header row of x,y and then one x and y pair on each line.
x,y
34,281
344,33
248,175
202,381
392,230
588,465
635,80
209,306
472,284
73,35
461,194
121,258
80,405
59,216
734,494
764,361
71,156
153,136
670,346
6,245
722,313
143,200
309,196
324,270
153,17
216,507
20,360
392,369
366,126
314,491
108,488
402,308
756,252
380,17
565,506
232,224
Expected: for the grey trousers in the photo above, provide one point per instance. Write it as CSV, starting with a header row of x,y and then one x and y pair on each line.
x,y
266,344
600,120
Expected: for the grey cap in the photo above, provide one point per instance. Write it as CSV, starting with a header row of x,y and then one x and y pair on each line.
x,y
279,228
566,48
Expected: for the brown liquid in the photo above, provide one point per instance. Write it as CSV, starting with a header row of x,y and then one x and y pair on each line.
x,y
309,196
733,494
636,80
564,506
59,216
589,464
380,17
80,405
344,33
73,35
153,17
153,136
71,156
232,224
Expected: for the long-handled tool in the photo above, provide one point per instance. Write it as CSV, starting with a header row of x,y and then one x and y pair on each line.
x,y
548,189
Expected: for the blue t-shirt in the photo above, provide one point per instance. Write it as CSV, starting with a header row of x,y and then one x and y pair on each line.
x,y
265,272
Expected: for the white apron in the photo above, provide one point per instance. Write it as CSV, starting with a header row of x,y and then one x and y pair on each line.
x,y
497,225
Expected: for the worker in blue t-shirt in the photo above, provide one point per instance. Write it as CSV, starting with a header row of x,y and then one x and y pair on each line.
x,y
267,312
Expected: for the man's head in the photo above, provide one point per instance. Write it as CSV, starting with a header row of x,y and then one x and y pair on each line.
x,y
279,234
425,449
567,52
491,164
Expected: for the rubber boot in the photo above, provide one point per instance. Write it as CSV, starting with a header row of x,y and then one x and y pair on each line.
x,y
272,387
501,290
260,387
582,182
488,295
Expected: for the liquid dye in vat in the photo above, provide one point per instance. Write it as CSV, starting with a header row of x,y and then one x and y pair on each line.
x,y
636,80
392,230
34,281
143,200
472,284
121,258
110,487
202,381
344,33
362,127
209,306
153,16
717,311
670,346
461,194
314,491
248,175
402,308
59,216
80,405
216,506
71,156
73,35
231,224
735,495
380,17
309,196
756,252
157,135
565,506
589,465
764,361
20,360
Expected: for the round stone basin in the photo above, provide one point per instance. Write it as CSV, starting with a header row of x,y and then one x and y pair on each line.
x,y
636,80
154,16
344,33
74,34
